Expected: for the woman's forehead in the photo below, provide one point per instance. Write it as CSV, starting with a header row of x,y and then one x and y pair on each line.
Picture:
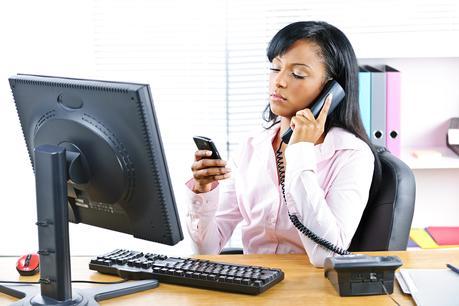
x,y
301,52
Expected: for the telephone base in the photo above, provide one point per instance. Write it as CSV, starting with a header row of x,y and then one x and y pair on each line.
x,y
357,274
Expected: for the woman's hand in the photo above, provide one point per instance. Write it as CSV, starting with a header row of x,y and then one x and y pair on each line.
x,y
207,171
307,128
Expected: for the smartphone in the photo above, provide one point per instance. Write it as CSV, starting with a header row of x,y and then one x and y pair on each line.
x,y
332,87
204,143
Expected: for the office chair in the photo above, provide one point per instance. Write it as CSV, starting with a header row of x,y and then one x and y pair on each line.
x,y
386,221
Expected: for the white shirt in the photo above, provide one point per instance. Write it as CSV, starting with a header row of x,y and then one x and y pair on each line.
x,y
327,187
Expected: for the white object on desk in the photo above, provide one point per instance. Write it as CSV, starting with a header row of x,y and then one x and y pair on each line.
x,y
430,286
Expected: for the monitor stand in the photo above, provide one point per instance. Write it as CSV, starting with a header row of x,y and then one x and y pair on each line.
x,y
54,166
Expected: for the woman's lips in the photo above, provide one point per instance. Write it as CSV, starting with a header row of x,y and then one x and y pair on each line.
x,y
277,98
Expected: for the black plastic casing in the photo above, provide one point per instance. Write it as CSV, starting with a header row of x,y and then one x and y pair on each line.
x,y
354,275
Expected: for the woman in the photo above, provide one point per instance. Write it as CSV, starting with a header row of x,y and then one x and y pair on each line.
x,y
328,161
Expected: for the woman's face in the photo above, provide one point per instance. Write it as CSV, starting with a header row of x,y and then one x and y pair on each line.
x,y
296,79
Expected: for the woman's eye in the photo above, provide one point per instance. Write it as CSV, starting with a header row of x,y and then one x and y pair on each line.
x,y
298,75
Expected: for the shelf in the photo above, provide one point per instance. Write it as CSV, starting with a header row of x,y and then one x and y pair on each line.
x,y
438,158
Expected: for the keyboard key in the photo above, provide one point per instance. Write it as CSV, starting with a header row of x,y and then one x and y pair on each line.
x,y
179,272
203,276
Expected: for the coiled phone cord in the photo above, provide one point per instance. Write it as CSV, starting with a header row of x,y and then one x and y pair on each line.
x,y
296,222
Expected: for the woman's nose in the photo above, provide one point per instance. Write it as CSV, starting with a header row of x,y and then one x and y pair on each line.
x,y
280,80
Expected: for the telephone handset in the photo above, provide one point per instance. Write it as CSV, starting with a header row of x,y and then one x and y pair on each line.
x,y
332,87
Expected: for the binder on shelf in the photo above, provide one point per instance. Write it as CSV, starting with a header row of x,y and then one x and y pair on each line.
x,y
422,238
412,244
365,98
392,109
378,106
444,235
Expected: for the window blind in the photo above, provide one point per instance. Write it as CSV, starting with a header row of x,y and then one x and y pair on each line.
x,y
177,47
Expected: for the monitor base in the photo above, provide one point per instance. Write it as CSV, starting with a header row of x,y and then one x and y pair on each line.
x,y
30,295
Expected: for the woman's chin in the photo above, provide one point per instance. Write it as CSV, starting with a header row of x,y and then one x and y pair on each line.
x,y
280,110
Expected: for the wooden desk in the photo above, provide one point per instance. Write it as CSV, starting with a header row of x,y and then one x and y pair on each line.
x,y
303,284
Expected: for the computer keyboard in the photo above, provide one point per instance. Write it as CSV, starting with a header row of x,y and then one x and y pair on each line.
x,y
192,272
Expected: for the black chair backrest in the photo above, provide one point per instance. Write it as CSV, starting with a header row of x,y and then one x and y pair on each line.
x,y
386,221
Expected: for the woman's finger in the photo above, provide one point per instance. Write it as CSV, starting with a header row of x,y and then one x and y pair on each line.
x,y
222,176
210,172
305,113
212,179
207,163
200,154
324,112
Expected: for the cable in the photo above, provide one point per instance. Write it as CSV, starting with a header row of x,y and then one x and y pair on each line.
x,y
296,222
14,282
45,281
96,282
387,293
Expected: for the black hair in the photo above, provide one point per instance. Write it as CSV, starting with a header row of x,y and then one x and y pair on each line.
x,y
341,65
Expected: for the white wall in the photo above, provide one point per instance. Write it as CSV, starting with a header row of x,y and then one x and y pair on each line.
x,y
437,197
42,37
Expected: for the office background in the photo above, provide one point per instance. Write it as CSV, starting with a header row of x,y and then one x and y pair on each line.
x,y
205,62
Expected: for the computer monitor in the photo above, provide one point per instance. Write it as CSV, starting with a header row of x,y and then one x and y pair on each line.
x,y
98,158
